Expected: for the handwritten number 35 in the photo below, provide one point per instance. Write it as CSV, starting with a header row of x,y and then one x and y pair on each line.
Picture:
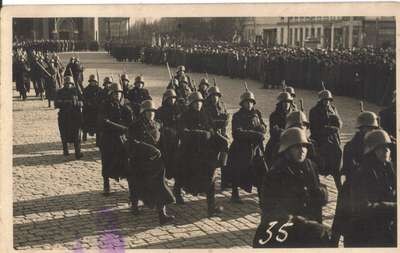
x,y
280,237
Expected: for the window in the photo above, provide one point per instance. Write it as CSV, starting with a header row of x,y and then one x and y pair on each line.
x,y
306,32
319,32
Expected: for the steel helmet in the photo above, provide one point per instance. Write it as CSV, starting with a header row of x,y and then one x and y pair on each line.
x,y
214,90
107,79
247,95
69,79
292,136
92,78
296,118
139,79
284,97
367,118
147,105
181,68
325,94
290,90
124,77
169,93
195,96
115,87
374,139
204,81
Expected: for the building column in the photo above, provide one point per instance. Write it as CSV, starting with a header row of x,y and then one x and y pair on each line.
x,y
96,29
351,35
322,41
332,36
278,35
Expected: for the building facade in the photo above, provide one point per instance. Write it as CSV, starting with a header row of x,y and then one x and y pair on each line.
x,y
99,29
322,32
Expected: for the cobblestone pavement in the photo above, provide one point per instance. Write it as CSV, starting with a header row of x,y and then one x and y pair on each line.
x,y
58,202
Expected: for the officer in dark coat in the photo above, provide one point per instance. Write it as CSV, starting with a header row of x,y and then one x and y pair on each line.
x,y
22,80
69,102
352,157
373,200
325,124
292,198
215,108
246,166
138,94
146,174
197,168
91,104
168,115
114,159
277,123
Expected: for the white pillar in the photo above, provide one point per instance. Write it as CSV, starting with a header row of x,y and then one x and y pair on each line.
x,y
351,35
96,29
332,35
322,37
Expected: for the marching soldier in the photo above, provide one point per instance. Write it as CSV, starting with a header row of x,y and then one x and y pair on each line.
x,y
51,81
197,169
69,102
203,87
114,159
138,94
292,198
125,84
168,115
91,103
277,123
352,157
325,124
181,76
246,165
147,172
22,79
215,108
373,200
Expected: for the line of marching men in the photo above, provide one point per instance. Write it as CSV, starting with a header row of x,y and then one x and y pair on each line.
x,y
186,139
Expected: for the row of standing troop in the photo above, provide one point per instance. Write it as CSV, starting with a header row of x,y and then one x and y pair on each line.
x,y
186,139
346,72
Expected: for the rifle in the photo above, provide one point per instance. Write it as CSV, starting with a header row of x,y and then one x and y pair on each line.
x,y
98,78
44,70
301,105
117,126
169,71
361,106
323,85
283,85
215,83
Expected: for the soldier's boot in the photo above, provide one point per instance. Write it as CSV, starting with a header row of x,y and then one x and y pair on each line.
x,y
235,195
49,102
65,148
163,217
213,210
133,198
106,186
78,153
41,96
178,195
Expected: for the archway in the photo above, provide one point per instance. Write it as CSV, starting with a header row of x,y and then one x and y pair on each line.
x,y
66,28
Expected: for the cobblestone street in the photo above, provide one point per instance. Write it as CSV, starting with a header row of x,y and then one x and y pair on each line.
x,y
58,201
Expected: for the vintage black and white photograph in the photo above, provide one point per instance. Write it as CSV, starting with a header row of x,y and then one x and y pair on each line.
x,y
203,132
